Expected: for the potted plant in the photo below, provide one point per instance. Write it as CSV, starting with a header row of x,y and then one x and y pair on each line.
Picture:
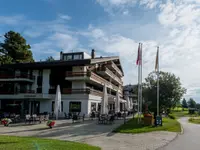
x,y
50,123
6,121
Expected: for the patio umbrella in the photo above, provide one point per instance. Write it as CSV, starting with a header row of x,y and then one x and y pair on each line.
x,y
57,109
104,102
117,102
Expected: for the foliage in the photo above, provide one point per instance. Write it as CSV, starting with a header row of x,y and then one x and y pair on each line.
x,y
191,103
132,126
170,90
198,106
50,58
30,143
184,103
14,49
171,116
195,120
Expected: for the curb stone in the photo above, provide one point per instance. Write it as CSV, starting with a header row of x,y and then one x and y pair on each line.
x,y
182,130
167,142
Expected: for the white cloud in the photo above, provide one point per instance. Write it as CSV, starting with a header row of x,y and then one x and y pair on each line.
x,y
65,17
11,20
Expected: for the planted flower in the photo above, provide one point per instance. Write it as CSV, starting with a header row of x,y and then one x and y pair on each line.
x,y
50,123
6,121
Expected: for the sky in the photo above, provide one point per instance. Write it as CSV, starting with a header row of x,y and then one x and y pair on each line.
x,y
114,27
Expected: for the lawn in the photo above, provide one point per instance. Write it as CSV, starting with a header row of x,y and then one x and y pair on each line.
x,y
195,120
179,114
30,143
133,127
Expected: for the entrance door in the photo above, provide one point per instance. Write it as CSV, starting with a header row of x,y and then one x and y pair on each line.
x,y
35,107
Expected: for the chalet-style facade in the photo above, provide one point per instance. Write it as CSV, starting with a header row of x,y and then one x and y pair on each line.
x,y
31,87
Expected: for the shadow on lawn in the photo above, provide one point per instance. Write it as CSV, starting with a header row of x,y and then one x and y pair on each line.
x,y
8,143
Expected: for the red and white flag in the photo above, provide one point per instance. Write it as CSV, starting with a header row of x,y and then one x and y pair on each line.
x,y
139,56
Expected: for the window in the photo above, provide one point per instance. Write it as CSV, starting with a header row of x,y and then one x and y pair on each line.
x,y
93,107
68,57
75,107
78,56
53,106
40,72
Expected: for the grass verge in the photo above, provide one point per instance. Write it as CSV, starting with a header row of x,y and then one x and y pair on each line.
x,y
195,120
179,114
132,126
30,143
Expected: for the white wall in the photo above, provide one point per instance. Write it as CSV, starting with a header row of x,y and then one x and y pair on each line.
x,y
86,56
45,84
78,84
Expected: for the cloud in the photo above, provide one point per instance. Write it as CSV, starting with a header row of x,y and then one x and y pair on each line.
x,y
122,6
65,17
53,44
175,28
11,20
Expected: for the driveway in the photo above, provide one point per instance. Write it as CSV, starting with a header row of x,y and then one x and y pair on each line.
x,y
187,141
91,133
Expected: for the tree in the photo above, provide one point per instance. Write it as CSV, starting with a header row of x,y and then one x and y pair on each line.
x,y
170,90
50,59
14,49
198,106
191,103
184,103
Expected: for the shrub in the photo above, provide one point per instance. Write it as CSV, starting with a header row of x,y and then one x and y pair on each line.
x,y
171,116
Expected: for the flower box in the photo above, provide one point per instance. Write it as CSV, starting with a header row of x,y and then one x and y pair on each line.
x,y
50,123
6,121
148,119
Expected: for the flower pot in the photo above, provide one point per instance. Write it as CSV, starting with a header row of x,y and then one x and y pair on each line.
x,y
50,123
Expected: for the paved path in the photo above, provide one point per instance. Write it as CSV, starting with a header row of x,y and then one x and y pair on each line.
x,y
91,133
190,140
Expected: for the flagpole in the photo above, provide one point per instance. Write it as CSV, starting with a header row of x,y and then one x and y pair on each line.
x,y
141,83
158,83
138,89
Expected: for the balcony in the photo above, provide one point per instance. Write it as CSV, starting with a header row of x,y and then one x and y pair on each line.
x,y
76,75
107,72
16,77
7,92
75,91
91,77
96,78
112,66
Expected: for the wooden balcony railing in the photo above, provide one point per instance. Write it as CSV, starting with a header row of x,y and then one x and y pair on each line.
x,y
76,74
16,92
11,76
114,66
93,76
111,74
102,80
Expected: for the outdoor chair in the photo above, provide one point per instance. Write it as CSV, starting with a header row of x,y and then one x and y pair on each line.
x,y
111,119
46,117
16,119
28,118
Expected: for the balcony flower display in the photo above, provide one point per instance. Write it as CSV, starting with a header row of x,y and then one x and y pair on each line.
x,y
50,123
6,121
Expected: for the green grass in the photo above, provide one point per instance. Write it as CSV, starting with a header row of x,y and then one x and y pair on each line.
x,y
195,120
132,126
179,114
30,143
